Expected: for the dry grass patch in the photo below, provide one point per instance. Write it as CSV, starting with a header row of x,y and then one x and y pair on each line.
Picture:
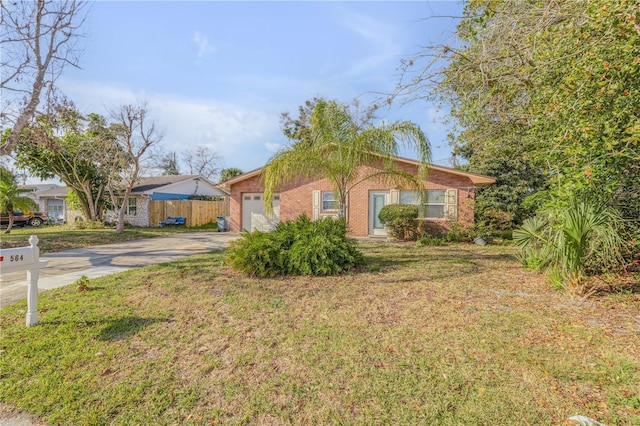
x,y
433,335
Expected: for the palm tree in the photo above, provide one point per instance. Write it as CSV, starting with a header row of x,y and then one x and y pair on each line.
x,y
579,240
335,146
11,197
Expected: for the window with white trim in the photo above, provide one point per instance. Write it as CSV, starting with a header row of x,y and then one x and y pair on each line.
x,y
55,209
440,203
329,201
132,206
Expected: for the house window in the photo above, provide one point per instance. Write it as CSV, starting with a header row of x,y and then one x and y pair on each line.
x,y
329,201
55,209
435,206
132,206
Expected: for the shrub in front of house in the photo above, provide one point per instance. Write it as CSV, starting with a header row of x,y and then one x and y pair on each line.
x,y
299,247
428,228
400,220
458,233
427,240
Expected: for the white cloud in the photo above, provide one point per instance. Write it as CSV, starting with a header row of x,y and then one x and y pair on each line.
x,y
204,47
273,147
236,132
382,37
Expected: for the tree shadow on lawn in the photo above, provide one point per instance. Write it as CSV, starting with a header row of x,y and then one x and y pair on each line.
x,y
120,328
115,328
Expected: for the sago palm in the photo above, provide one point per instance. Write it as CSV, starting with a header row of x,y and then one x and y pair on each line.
x,y
579,240
335,147
12,198
588,240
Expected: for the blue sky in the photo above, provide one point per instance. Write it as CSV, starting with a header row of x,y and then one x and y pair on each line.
x,y
220,73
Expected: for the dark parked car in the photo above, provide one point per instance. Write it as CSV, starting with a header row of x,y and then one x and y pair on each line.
x,y
23,218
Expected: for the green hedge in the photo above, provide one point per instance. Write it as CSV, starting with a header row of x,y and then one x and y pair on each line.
x,y
299,247
400,220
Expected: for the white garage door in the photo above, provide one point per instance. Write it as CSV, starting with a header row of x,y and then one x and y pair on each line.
x,y
253,215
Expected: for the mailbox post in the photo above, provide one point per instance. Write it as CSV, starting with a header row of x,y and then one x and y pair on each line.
x,y
25,259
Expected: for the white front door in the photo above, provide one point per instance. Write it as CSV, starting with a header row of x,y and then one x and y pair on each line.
x,y
377,200
253,214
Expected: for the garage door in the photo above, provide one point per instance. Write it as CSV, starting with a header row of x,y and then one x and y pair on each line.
x,y
253,215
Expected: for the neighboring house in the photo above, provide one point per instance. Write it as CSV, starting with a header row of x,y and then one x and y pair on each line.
x,y
148,189
31,190
451,195
174,187
53,202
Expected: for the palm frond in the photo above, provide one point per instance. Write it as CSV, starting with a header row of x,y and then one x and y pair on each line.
x,y
336,147
532,232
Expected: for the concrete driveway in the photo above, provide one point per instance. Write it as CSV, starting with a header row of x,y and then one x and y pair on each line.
x,y
66,267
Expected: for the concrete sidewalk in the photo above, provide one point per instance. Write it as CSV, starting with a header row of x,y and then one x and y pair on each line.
x,y
66,267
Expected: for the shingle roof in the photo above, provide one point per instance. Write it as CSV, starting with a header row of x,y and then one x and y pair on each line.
x,y
148,183
476,178
144,184
61,191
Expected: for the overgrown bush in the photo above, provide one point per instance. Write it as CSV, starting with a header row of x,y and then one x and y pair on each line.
x,y
299,247
87,224
431,241
630,232
400,220
493,221
457,233
572,243
427,228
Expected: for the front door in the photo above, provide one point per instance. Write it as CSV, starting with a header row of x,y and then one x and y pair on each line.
x,y
377,200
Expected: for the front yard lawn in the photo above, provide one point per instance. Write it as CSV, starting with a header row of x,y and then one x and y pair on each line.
x,y
433,335
64,237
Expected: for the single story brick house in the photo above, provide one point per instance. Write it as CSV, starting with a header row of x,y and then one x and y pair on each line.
x,y
174,187
451,195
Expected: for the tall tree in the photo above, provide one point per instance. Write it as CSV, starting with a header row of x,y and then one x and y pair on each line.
x,y
73,148
335,147
136,134
12,198
548,89
37,40
229,173
202,160
297,128
168,164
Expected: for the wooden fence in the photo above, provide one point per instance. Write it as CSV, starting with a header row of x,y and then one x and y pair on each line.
x,y
197,212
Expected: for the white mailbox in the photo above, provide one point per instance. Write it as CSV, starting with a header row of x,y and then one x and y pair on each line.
x,y
25,259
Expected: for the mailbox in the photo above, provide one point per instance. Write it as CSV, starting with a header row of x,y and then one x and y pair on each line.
x,y
17,259
25,259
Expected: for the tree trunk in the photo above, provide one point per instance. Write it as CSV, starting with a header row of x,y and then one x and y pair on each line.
x,y
120,221
122,209
342,206
8,230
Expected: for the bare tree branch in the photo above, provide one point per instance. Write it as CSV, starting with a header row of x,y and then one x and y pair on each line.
x,y
202,161
37,41
136,135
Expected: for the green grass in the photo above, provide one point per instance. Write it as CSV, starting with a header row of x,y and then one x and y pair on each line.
x,y
64,237
432,335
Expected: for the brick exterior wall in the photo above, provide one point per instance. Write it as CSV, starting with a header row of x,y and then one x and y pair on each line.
x,y
298,198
